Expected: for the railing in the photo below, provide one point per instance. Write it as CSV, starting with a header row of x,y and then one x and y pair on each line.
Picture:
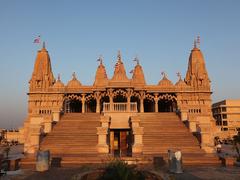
x,y
120,107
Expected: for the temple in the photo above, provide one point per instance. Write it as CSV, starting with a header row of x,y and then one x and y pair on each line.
x,y
119,116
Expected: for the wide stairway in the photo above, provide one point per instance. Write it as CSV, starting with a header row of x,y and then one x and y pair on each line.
x,y
164,131
76,133
73,140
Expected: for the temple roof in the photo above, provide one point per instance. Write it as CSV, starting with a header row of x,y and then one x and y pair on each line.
x,y
58,83
197,74
119,71
74,82
42,65
101,78
138,75
165,81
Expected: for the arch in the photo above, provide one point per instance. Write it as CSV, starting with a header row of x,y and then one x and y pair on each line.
x,y
136,98
167,103
148,103
72,103
119,96
90,103
104,99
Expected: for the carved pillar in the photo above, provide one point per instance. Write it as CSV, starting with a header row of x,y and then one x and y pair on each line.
x,y
142,96
138,134
83,103
98,97
156,102
110,95
98,106
128,103
129,93
102,133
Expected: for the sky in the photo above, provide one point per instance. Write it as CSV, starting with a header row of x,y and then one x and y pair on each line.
x,y
160,33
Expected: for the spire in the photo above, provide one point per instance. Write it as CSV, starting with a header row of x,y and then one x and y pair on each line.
x,y
44,47
42,76
59,78
119,57
197,75
138,75
136,60
179,76
119,71
101,78
195,44
74,75
198,41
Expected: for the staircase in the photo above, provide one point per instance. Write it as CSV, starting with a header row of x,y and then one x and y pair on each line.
x,y
75,133
73,140
164,131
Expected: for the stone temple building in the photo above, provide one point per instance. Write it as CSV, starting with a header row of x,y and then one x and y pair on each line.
x,y
119,116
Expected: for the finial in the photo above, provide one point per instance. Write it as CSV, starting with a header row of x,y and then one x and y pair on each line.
x,y
100,59
44,45
179,75
198,41
59,79
195,43
163,74
137,60
74,75
119,55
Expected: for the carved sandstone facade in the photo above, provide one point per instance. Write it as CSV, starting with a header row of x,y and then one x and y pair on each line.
x,y
119,101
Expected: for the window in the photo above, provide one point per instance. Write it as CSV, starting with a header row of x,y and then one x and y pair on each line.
x,y
224,116
225,123
224,109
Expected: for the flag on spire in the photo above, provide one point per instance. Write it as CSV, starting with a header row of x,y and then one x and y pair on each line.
x,y
37,40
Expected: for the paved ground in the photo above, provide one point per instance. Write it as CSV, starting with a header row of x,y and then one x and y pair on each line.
x,y
190,173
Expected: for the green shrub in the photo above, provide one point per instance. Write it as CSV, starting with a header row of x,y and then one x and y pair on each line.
x,y
119,170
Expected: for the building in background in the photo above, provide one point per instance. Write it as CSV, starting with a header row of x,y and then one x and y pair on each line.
x,y
227,116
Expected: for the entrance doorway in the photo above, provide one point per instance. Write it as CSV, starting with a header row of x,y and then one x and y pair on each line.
x,y
72,106
121,142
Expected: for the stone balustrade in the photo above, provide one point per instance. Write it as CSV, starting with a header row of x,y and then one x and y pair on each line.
x,y
120,107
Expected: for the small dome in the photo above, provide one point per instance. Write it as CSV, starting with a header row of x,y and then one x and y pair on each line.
x,y
74,83
180,83
58,83
165,81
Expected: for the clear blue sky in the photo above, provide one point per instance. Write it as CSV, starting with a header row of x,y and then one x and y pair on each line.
x,y
161,33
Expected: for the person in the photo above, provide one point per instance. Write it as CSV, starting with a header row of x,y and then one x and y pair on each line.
x,y
219,148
